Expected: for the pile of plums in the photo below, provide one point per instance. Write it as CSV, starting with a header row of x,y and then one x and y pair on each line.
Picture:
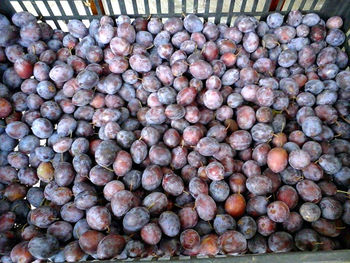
x,y
146,138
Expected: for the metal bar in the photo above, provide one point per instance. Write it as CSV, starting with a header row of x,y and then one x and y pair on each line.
x,y
290,5
7,9
206,8
255,4
135,7
99,7
110,8
60,7
230,12
312,7
22,5
195,6
122,7
280,5
105,9
159,10
73,9
327,9
171,8
301,7
87,7
183,6
218,12
146,3
266,8
36,7
51,14
211,14
244,3
205,15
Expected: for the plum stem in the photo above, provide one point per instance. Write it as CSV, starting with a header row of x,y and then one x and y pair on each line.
x,y
182,143
268,197
22,228
194,207
179,206
343,192
340,227
43,202
345,119
151,205
107,168
239,51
